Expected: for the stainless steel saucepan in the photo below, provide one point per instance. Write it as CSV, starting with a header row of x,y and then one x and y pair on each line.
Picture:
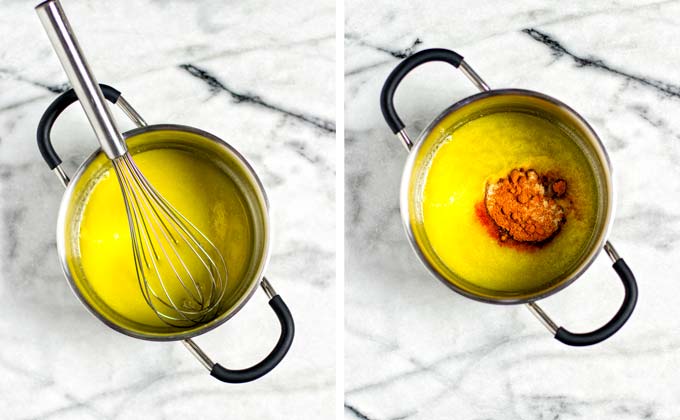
x,y
141,139
475,106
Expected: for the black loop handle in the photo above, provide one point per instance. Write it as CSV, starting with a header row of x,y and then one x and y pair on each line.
x,y
273,359
52,113
402,69
611,327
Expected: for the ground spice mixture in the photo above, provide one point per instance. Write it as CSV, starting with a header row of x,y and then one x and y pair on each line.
x,y
524,206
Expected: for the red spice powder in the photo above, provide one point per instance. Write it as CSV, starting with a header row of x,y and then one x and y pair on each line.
x,y
495,232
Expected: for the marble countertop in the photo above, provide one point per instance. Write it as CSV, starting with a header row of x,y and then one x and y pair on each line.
x,y
416,350
259,74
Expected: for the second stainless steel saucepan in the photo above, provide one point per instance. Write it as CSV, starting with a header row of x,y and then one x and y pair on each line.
x,y
444,130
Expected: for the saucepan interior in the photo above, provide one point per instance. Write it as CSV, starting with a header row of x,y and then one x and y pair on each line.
x,y
242,211
443,129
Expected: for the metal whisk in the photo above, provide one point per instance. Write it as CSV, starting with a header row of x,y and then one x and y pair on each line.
x,y
181,273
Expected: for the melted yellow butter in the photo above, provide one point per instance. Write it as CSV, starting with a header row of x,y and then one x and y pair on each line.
x,y
197,188
486,149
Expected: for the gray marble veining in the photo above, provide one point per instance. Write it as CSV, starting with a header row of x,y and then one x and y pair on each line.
x,y
414,349
258,74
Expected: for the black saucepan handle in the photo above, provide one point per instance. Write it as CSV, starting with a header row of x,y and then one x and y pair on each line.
x,y
237,376
273,358
402,69
52,113
610,328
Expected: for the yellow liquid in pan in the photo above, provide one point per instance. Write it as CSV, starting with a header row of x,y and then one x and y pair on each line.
x,y
198,189
486,149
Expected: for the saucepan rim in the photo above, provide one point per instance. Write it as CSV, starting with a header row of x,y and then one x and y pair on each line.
x,y
596,247
254,282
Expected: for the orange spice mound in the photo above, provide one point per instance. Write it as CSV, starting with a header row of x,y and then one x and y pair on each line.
x,y
497,233
523,206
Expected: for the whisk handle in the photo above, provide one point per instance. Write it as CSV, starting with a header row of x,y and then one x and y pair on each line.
x,y
52,113
274,357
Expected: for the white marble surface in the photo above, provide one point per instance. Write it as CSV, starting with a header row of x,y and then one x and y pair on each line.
x,y
59,362
414,349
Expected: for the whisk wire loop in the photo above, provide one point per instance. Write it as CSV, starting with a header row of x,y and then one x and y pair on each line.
x,y
181,273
